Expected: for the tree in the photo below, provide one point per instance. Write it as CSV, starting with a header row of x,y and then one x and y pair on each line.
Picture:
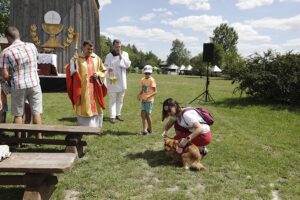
x,y
152,59
225,36
272,76
179,54
233,64
199,67
104,47
4,15
219,55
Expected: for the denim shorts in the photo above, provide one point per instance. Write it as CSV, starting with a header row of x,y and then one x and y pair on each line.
x,y
147,106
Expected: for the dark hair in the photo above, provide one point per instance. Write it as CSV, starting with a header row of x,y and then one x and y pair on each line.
x,y
169,102
12,32
88,42
116,41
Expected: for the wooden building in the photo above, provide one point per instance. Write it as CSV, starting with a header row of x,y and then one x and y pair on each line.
x,y
82,15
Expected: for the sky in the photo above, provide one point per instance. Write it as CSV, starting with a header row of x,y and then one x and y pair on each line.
x,y
152,25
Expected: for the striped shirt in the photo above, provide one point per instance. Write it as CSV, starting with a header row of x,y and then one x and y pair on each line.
x,y
20,59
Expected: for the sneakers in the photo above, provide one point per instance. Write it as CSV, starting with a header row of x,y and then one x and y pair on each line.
x,y
143,132
146,132
149,130
119,118
203,151
112,120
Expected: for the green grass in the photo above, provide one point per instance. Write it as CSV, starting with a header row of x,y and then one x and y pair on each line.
x,y
255,149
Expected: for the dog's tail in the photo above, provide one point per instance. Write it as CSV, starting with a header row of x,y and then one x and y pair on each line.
x,y
197,166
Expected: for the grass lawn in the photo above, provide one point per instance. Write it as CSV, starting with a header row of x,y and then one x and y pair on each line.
x,y
255,153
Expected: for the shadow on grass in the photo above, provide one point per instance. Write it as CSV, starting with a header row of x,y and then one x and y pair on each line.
x,y
68,119
154,158
15,192
249,101
41,149
118,133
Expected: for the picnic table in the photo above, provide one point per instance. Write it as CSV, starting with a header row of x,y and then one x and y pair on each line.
x,y
39,169
73,140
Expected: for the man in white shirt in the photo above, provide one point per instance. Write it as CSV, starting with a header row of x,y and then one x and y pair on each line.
x,y
116,62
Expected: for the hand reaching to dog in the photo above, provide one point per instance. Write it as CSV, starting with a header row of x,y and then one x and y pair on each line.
x,y
164,134
183,142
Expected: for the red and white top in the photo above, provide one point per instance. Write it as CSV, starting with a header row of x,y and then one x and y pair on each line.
x,y
20,59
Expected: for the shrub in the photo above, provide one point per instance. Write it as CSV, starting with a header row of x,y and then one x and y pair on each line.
x,y
271,76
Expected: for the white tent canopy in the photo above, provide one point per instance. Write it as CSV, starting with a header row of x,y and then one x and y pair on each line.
x,y
189,68
173,66
182,68
216,69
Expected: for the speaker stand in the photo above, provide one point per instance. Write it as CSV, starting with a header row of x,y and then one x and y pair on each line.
x,y
204,96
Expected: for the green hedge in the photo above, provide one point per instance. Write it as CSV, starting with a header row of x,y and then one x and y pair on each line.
x,y
272,76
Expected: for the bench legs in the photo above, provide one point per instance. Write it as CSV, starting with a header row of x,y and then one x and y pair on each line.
x,y
38,186
79,148
41,191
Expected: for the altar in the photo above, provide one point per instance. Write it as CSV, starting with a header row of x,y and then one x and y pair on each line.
x,y
50,79
47,64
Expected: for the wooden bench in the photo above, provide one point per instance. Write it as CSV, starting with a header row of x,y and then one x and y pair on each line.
x,y
39,169
72,141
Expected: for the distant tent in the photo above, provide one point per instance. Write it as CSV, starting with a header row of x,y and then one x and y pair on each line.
x,y
189,68
216,69
172,69
182,68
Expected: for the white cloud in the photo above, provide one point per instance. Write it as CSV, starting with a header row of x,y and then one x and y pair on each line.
x,y
247,49
153,34
283,24
289,0
292,43
250,4
247,33
164,11
203,23
192,4
104,3
125,19
108,35
147,17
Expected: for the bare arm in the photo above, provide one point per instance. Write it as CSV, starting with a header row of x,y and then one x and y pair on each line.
x,y
168,125
5,74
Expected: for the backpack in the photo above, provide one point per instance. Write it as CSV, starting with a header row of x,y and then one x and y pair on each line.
x,y
204,113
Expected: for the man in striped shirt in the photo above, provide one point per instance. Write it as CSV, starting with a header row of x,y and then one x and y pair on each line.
x,y
19,66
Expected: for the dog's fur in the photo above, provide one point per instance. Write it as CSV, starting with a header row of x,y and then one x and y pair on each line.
x,y
190,157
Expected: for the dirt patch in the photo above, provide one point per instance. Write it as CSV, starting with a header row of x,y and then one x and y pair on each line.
x,y
71,195
173,189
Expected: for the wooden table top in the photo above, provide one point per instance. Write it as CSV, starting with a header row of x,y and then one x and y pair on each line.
x,y
38,162
54,129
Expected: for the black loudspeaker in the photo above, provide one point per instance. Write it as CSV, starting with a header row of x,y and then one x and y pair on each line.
x,y
208,52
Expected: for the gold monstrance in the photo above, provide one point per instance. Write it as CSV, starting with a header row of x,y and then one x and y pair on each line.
x,y
52,27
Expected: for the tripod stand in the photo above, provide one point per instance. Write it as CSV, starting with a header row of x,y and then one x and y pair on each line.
x,y
205,96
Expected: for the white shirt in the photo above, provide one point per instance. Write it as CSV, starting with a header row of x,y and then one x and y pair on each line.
x,y
119,67
190,117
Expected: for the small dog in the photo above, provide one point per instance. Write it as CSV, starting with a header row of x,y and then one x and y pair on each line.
x,y
190,155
